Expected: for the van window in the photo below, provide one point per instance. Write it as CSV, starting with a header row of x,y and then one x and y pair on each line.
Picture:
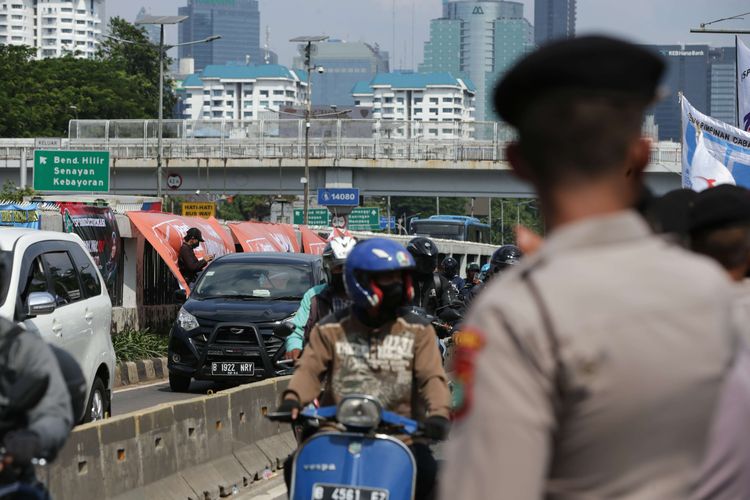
x,y
36,281
89,277
65,284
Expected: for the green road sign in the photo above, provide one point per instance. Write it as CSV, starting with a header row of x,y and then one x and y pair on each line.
x,y
315,217
364,219
74,171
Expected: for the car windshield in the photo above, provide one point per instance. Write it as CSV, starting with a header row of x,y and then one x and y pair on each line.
x,y
262,281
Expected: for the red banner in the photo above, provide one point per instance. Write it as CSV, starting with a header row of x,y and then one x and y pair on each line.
x,y
265,237
311,242
97,228
165,232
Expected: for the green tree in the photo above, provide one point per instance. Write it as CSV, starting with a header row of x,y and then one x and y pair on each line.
x,y
130,49
37,96
11,192
245,207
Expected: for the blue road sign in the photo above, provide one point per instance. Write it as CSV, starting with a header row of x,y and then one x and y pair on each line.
x,y
342,197
384,223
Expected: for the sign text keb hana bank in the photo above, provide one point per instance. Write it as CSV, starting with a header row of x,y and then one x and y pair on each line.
x,y
72,171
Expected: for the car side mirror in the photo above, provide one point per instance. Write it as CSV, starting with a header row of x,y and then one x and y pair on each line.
x,y
40,303
180,296
283,329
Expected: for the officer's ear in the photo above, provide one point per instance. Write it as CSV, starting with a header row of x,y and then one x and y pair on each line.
x,y
638,157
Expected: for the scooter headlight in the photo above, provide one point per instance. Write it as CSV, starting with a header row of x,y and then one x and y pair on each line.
x,y
361,412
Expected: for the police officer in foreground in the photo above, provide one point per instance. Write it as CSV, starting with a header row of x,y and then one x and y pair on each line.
x,y
592,369
432,291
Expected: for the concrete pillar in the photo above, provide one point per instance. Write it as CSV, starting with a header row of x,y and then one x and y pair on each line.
x,y
22,165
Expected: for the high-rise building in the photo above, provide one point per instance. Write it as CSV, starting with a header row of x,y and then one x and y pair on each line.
x,y
435,104
152,30
554,19
53,27
238,92
344,64
478,39
723,84
238,23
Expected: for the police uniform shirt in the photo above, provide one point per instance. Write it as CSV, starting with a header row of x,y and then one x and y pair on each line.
x,y
603,384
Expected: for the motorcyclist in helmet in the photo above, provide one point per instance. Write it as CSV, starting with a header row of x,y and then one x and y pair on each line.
x,y
321,300
377,347
449,269
472,279
433,292
502,258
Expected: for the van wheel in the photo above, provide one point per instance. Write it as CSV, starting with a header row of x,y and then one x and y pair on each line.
x,y
179,383
96,409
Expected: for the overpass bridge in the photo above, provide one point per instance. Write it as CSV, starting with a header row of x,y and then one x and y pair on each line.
x,y
267,157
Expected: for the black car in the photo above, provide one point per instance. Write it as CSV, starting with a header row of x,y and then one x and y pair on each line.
x,y
225,330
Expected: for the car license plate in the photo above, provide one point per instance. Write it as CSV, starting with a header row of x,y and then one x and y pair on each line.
x,y
340,492
232,368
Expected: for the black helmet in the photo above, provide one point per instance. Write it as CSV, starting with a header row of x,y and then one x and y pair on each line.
x,y
425,254
450,267
473,267
506,255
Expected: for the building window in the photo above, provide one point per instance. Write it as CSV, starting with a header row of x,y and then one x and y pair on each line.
x,y
357,102
388,100
447,99
417,100
434,111
417,110
264,93
433,100
278,92
263,104
400,100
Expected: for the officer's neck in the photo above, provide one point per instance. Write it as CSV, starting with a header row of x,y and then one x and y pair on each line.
x,y
574,202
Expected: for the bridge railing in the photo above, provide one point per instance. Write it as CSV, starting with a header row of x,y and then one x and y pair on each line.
x,y
285,139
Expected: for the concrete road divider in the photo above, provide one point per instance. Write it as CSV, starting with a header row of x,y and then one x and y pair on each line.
x,y
203,448
137,372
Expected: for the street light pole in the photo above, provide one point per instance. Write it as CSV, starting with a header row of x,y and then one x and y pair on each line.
x,y
309,67
308,109
161,111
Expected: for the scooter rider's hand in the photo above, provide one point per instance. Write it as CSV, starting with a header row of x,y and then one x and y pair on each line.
x,y
293,354
291,406
22,446
436,427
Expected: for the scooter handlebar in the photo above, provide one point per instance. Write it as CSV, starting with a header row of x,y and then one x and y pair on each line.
x,y
280,416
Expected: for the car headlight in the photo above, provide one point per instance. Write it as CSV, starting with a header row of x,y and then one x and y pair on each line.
x,y
361,412
186,320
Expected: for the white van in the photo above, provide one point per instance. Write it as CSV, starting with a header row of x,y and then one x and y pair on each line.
x,y
55,288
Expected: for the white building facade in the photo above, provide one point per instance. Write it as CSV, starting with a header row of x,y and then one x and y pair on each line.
x,y
440,104
54,28
235,92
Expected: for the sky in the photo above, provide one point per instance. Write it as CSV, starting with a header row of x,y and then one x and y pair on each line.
x,y
643,21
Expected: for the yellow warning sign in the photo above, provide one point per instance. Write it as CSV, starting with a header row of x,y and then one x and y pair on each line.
x,y
203,209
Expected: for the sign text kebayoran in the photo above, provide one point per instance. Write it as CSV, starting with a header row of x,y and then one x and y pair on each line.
x,y
76,171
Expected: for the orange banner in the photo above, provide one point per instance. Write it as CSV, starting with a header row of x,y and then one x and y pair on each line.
x,y
265,237
311,242
165,232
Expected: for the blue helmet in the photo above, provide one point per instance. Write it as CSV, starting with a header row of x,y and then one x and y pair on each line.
x,y
377,255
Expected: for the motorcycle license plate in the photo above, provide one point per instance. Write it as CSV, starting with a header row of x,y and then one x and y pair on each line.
x,y
340,492
232,368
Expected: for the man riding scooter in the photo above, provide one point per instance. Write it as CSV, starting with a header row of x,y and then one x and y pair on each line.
x,y
376,348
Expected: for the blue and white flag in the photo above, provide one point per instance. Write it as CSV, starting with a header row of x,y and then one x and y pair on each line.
x,y
713,152
743,84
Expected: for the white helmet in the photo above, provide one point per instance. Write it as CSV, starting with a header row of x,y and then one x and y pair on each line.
x,y
336,252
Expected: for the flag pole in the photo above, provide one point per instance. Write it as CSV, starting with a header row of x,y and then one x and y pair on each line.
x,y
737,78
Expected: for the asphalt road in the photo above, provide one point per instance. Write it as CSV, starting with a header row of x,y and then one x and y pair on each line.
x,y
136,398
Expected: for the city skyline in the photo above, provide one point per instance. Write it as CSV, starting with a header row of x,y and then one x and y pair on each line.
x,y
371,21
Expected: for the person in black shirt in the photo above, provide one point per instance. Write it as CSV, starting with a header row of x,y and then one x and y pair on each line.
x,y
187,262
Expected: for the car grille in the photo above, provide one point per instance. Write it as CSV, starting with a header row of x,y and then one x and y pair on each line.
x,y
228,336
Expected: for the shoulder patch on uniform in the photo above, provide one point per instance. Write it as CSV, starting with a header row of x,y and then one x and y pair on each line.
x,y
468,343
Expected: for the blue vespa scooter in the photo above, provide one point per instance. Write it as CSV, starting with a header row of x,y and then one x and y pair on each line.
x,y
360,463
